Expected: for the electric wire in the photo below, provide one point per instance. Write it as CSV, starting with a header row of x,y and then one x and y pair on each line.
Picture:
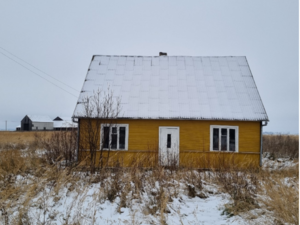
x,y
39,75
39,69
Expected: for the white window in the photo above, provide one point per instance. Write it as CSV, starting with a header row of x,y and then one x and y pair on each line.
x,y
224,138
114,136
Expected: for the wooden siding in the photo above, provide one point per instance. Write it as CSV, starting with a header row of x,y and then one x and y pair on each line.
x,y
194,143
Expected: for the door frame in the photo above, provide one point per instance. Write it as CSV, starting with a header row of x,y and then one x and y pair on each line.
x,y
159,150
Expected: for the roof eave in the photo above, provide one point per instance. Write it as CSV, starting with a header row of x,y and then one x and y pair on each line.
x,y
171,118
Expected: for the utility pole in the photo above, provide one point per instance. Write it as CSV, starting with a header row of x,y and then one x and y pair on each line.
x,y
6,125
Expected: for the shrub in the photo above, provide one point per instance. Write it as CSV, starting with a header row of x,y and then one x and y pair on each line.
x,y
241,185
61,145
281,145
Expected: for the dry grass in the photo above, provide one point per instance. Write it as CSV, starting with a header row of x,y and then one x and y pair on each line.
x,y
19,137
12,166
242,187
26,175
279,193
281,146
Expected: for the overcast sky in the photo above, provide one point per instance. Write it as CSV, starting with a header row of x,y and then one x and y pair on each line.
x,y
60,38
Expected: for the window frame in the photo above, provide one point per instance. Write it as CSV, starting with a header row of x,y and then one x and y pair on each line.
x,y
236,128
118,135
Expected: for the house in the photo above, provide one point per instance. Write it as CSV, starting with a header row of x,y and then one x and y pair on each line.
x,y
64,123
36,122
205,111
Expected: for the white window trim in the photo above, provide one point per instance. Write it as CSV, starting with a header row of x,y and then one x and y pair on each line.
x,y
110,131
228,127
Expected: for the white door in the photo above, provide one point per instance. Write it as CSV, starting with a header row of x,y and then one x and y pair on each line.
x,y
169,146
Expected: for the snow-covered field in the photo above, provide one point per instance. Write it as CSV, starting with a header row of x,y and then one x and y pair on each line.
x,y
84,206
88,200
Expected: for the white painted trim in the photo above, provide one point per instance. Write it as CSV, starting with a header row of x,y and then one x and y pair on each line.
x,y
228,127
111,126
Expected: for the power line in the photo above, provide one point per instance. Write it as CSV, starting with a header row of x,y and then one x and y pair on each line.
x,y
38,75
39,69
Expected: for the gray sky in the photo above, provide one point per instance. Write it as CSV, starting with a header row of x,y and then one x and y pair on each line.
x,y
60,37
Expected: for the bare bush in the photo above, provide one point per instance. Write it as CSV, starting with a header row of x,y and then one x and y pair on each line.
x,y
241,185
60,146
281,145
193,178
98,109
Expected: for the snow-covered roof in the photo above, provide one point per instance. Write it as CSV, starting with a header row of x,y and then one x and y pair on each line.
x,y
65,122
57,124
38,118
177,87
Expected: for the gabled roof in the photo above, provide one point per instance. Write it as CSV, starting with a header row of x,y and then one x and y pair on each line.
x,y
38,118
176,87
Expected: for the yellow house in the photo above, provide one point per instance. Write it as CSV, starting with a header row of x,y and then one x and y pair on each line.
x,y
199,112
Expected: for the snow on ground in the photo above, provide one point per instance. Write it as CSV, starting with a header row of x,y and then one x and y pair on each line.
x,y
84,204
86,207
80,203
278,164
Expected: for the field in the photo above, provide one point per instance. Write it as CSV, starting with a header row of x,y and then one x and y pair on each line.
x,y
35,189
19,138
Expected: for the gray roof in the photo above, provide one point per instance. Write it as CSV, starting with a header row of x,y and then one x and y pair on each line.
x,y
177,87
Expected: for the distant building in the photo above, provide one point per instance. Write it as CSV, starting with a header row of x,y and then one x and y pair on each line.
x,y
63,123
35,122
31,123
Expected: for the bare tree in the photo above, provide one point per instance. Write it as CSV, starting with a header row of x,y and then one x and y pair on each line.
x,y
101,108
60,146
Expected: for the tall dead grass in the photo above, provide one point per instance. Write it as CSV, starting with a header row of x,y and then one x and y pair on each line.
x,y
26,175
279,193
281,145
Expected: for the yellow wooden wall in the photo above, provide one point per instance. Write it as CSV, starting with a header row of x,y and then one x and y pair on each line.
x,y
194,143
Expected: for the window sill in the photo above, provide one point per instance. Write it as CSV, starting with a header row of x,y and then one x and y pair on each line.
x,y
224,151
113,150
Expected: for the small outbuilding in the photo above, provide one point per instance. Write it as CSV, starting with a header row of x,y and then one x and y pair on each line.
x,y
64,123
36,122
204,111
